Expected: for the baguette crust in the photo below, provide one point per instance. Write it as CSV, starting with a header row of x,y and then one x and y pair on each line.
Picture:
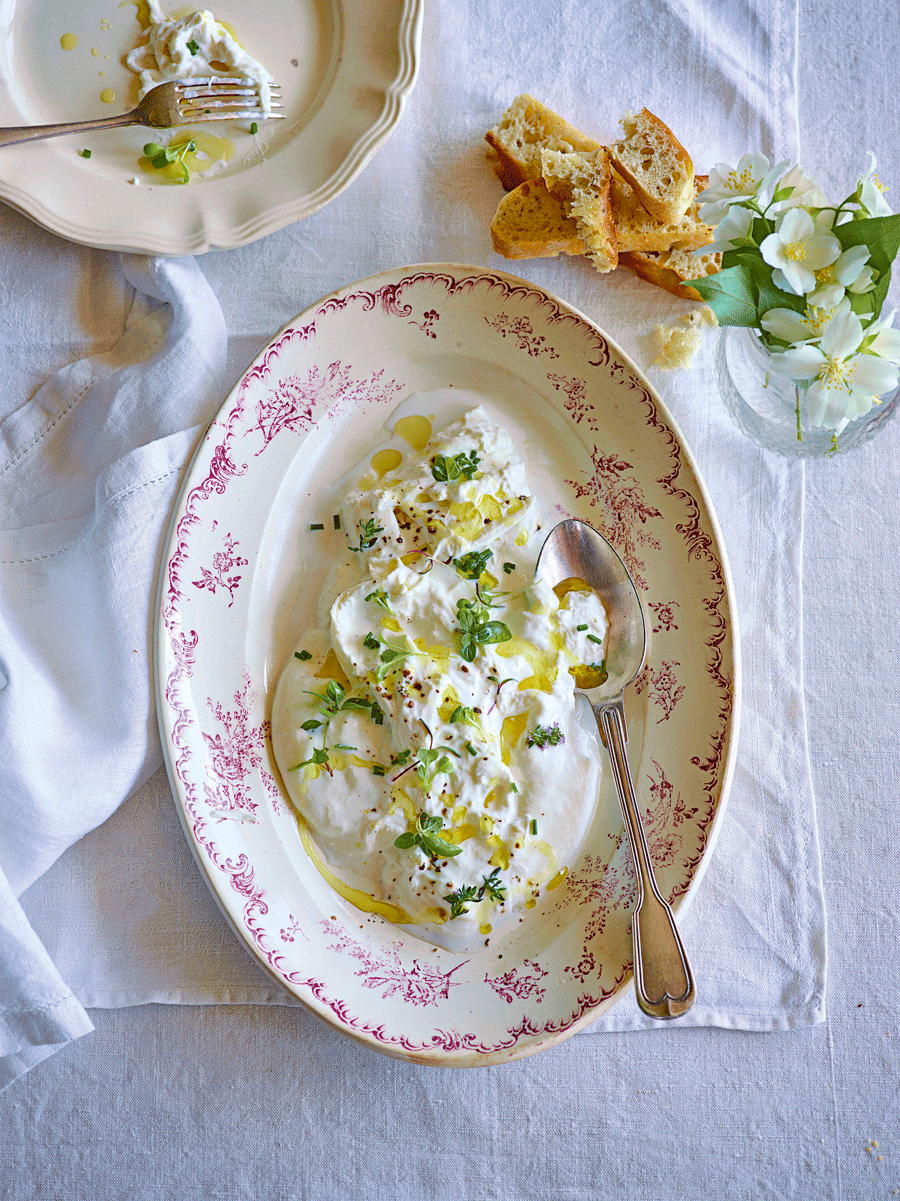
x,y
656,165
583,185
517,138
530,223
637,230
670,268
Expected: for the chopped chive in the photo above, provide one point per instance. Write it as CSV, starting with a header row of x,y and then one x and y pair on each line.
x,y
533,826
508,567
378,770
317,526
254,127
471,749
192,46
594,638
582,627
336,521
85,153
302,655
514,786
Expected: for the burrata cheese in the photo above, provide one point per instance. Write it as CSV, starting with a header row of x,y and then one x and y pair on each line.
x,y
430,738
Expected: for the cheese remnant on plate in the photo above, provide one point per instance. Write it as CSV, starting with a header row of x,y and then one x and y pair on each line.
x,y
431,739
193,48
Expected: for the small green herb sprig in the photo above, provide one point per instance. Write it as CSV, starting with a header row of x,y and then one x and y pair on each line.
x,y
471,565
378,597
460,900
473,616
368,535
544,736
447,468
391,656
161,156
334,700
426,837
476,628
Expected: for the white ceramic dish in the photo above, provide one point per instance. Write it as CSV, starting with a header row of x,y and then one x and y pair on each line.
x,y
345,68
243,571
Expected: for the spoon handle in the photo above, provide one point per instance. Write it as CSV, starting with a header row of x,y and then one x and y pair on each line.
x,y
662,974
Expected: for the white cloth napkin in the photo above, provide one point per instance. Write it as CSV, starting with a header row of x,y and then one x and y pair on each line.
x,y
123,914
89,468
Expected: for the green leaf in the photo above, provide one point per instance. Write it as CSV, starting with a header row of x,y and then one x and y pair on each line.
x,y
492,632
730,294
426,838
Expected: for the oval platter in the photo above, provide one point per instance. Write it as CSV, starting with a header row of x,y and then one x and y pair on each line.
x,y
242,575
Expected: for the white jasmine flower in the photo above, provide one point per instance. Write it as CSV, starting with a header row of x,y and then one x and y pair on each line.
x,y
794,327
871,192
840,276
796,250
805,191
843,381
728,184
865,281
886,340
733,226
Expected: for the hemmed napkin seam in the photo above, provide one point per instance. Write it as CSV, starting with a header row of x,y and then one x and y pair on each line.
x,y
29,1009
115,498
29,446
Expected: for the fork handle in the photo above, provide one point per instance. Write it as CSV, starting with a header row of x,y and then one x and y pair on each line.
x,y
31,133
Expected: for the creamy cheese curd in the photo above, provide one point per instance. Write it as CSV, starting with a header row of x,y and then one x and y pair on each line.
x,y
193,48
470,735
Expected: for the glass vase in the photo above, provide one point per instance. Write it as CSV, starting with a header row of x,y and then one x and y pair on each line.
x,y
770,407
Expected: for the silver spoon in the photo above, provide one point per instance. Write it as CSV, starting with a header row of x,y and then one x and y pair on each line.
x,y
662,974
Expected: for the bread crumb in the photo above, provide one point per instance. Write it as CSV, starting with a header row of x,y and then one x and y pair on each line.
x,y
676,345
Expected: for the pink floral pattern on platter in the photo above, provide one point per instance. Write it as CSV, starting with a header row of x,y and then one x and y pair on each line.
x,y
223,561
662,687
292,929
297,402
234,758
576,403
428,319
522,331
622,510
291,403
520,985
665,615
422,984
599,889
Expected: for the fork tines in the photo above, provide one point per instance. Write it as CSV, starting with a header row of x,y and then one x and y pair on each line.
x,y
226,99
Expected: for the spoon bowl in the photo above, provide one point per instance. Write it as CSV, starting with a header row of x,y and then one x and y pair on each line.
x,y
574,550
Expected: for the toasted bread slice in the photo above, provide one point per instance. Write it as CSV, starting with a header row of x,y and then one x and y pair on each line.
x,y
656,165
583,183
670,268
530,223
637,230
517,138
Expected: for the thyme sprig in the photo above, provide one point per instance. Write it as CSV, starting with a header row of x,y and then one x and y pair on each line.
x,y
471,894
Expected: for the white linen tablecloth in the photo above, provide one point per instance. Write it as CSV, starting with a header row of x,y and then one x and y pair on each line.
x,y
123,915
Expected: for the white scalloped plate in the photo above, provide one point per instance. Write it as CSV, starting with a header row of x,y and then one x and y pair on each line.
x,y
243,573
345,67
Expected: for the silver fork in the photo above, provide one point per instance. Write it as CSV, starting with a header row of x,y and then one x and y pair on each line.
x,y
167,105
